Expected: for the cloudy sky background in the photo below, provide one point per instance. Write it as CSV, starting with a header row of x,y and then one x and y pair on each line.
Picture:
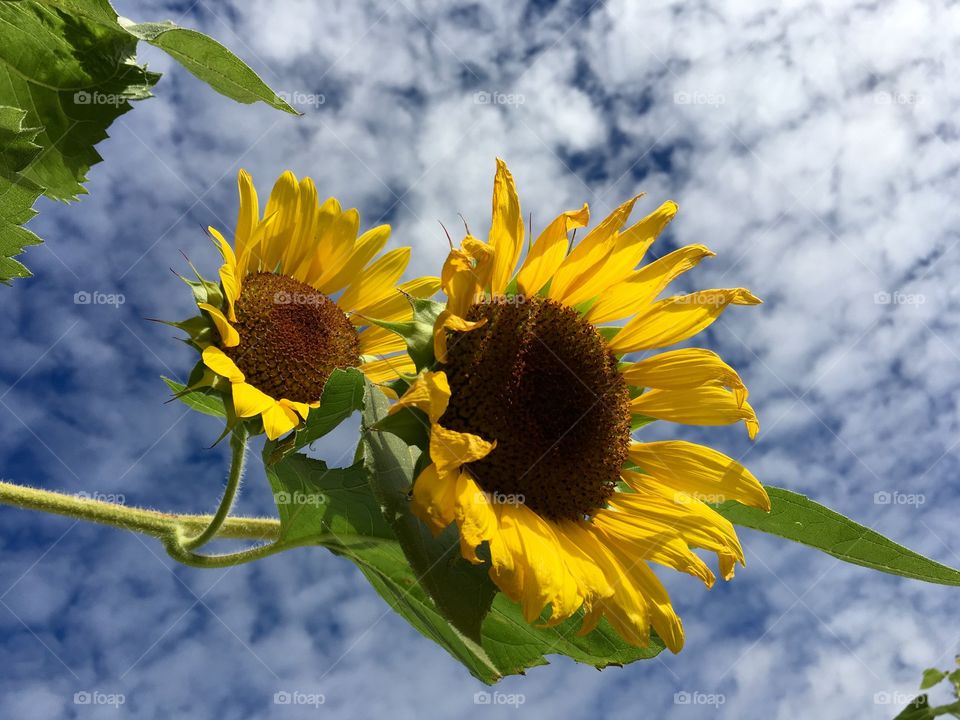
x,y
814,147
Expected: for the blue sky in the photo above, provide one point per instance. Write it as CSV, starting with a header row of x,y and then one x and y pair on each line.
x,y
813,146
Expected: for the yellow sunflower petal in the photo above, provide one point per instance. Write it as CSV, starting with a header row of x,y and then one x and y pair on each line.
x,y
476,518
433,498
430,393
396,306
699,471
279,419
634,293
451,449
506,228
249,401
217,360
376,340
247,219
659,508
366,248
539,576
228,333
685,368
377,282
703,405
633,243
296,261
448,321
386,369
675,319
283,206
549,251
588,256
334,248
660,546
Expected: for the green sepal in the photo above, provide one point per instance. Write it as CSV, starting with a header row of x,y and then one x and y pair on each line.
x,y
418,331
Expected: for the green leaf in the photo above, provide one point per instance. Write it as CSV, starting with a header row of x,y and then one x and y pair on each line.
x,y
209,402
931,676
418,331
798,518
73,72
462,591
17,193
67,71
209,61
917,709
342,396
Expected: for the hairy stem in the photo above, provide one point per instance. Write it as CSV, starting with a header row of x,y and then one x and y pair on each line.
x,y
238,447
149,522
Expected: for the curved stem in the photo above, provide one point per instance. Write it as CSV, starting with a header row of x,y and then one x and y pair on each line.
x,y
149,522
238,446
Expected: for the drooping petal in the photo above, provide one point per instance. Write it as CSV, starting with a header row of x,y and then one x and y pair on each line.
x,y
549,250
634,293
279,419
539,576
451,449
433,498
685,368
430,393
675,319
217,360
699,471
660,508
228,333
703,405
448,321
249,401
506,228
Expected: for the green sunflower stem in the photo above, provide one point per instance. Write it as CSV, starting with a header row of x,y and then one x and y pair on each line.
x,y
164,526
238,447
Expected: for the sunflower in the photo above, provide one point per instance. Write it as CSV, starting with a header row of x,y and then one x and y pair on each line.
x,y
531,410
296,292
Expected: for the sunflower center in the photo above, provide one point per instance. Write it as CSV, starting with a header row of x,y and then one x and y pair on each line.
x,y
541,381
291,337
